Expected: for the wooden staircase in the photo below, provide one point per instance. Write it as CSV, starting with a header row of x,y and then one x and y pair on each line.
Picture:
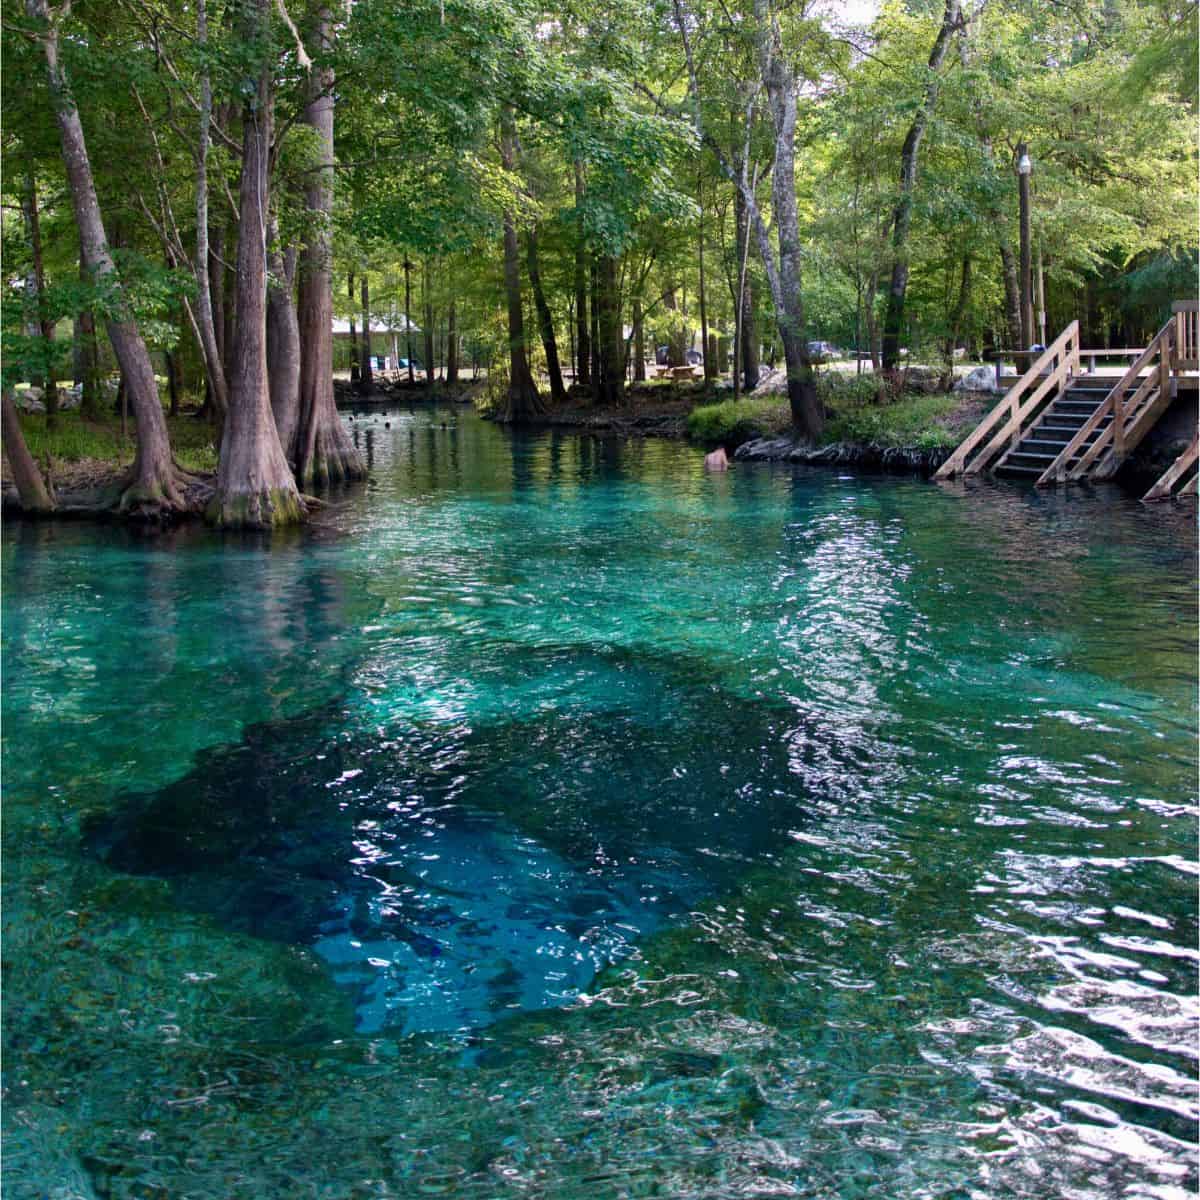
x,y
1022,408
1055,425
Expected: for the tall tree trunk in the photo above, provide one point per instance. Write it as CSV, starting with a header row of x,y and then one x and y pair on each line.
x,y
956,320
31,488
44,324
558,393
216,301
893,321
366,373
746,337
427,321
677,335
872,322
451,346
524,400
325,453
782,88
802,385
708,366
612,373
639,341
283,345
88,375
89,366
172,364
229,298
996,208
255,488
583,347
751,342
355,369
154,486
594,332
408,318
210,321
1012,293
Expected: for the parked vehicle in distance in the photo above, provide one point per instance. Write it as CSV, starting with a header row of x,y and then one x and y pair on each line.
x,y
820,352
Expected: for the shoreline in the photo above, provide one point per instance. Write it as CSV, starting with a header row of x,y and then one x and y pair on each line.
x,y
87,489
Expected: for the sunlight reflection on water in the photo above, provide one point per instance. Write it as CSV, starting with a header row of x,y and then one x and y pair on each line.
x,y
779,834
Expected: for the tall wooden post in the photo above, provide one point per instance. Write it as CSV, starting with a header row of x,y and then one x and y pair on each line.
x,y
1041,297
1024,169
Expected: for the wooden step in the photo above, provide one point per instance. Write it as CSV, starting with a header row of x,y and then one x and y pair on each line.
x,y
1070,404
1056,423
1067,423
1028,458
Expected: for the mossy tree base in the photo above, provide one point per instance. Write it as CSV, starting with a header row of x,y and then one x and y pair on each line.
x,y
334,460
269,508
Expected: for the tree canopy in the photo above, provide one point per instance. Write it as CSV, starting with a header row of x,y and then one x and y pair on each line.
x,y
552,191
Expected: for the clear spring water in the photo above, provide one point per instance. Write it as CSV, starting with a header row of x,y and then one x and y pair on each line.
x,y
556,820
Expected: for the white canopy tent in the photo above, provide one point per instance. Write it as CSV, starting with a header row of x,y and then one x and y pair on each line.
x,y
389,327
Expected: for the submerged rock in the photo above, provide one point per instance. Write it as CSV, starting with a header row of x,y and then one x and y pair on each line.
x,y
438,875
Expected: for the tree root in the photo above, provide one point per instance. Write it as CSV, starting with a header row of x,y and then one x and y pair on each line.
x,y
155,500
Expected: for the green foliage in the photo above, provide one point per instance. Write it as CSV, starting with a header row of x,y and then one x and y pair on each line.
x,y
913,420
74,440
730,423
853,415
1103,92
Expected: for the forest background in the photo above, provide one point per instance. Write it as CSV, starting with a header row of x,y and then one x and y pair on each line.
x,y
194,192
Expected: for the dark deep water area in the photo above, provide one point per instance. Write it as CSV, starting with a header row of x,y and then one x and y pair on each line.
x,y
553,819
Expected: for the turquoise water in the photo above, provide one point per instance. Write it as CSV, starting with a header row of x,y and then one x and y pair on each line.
x,y
553,819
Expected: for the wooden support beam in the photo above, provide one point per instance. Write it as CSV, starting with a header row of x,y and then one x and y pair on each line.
x,y
1174,473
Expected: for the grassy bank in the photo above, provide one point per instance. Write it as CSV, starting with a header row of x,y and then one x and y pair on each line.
x,y
853,414
75,441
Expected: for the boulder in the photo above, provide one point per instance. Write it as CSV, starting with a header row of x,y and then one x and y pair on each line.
x,y
922,379
29,400
764,450
771,382
979,379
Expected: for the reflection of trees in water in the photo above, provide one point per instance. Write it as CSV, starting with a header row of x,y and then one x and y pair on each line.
x,y
1089,566
122,649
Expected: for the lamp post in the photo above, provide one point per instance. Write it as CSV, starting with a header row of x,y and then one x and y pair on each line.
x,y
1024,170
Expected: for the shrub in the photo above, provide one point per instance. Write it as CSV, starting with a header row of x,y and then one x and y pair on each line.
x,y
909,421
839,391
730,424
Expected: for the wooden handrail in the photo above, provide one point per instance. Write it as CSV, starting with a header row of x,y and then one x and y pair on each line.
x,y
1057,363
